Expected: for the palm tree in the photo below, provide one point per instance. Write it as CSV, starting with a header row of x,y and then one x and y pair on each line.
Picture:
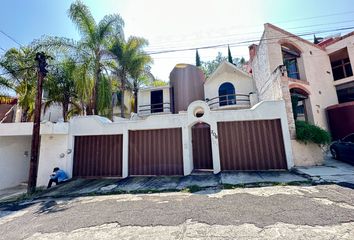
x,y
94,40
5,87
60,86
130,62
19,66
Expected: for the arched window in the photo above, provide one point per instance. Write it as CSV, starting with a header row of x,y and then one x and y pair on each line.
x,y
227,94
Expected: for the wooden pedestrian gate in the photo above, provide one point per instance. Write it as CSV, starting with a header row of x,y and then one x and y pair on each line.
x,y
98,156
156,152
201,144
251,145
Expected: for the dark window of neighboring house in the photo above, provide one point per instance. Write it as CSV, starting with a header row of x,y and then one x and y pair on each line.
x,y
340,62
227,94
341,69
292,69
298,100
290,61
345,94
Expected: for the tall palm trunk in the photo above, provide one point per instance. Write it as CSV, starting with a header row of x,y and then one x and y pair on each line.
x,y
65,111
24,115
95,89
122,105
136,99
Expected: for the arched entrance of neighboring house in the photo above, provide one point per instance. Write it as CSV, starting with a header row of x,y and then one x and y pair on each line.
x,y
201,144
227,94
300,103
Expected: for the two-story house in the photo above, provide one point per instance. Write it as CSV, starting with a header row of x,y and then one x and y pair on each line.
x,y
311,78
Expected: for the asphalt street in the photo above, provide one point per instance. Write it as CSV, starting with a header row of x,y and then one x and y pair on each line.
x,y
277,212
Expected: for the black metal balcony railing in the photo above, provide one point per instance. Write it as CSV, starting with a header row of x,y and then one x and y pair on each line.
x,y
155,108
229,99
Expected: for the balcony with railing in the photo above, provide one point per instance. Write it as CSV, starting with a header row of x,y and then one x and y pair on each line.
x,y
156,108
229,101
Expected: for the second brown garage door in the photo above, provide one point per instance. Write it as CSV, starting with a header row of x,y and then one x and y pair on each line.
x,y
156,152
251,145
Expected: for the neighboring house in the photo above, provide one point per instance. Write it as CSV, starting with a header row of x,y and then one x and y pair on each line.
x,y
341,55
228,87
306,78
316,76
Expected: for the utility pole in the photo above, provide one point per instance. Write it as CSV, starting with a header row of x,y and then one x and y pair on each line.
x,y
41,73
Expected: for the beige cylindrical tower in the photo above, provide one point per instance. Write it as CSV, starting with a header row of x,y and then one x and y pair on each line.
x,y
187,85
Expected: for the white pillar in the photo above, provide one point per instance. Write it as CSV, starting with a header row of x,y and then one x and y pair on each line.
x,y
125,168
187,150
215,147
70,155
286,135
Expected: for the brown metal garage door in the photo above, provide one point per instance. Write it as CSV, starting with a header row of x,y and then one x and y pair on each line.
x,y
251,145
156,152
98,156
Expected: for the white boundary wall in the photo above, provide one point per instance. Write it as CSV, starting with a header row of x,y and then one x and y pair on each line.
x,y
14,160
57,142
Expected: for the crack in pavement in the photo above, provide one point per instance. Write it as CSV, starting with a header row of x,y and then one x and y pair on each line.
x,y
197,230
239,210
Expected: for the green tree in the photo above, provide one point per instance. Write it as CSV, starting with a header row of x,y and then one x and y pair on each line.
x,y
20,76
84,83
60,88
95,39
229,57
197,59
158,83
130,62
210,66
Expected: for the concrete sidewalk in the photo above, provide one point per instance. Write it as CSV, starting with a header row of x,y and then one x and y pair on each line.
x,y
332,171
12,193
194,182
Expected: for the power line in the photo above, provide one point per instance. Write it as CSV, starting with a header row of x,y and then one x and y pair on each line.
x,y
7,35
244,42
292,20
156,47
314,17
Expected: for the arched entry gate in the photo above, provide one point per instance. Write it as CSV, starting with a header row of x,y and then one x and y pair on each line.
x,y
201,143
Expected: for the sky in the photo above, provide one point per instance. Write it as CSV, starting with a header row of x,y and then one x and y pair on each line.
x,y
179,24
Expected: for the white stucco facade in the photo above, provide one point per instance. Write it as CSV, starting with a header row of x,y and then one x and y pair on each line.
x,y
144,99
14,160
57,141
53,153
228,73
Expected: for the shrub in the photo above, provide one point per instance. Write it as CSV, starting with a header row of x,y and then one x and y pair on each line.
x,y
306,132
